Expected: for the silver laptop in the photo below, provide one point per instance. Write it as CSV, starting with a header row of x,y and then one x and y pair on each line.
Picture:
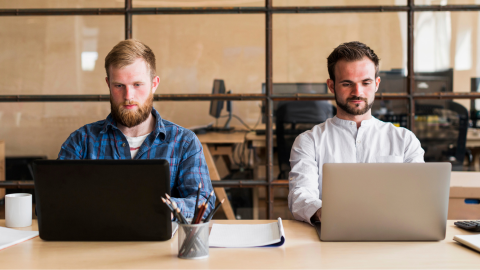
x,y
384,201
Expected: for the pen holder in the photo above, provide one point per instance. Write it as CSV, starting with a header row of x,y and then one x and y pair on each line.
x,y
193,240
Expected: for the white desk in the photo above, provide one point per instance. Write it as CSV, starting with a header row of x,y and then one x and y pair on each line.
x,y
302,250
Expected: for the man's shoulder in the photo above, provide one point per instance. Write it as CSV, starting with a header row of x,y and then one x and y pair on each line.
x,y
391,128
316,131
386,125
320,128
177,133
92,129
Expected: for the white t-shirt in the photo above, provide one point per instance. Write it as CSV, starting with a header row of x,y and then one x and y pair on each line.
x,y
135,143
339,141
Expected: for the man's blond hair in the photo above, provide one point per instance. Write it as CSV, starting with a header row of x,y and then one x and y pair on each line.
x,y
126,52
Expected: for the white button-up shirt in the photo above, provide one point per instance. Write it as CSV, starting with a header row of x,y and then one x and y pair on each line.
x,y
339,141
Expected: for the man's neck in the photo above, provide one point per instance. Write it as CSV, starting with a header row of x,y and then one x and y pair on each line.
x,y
355,118
141,129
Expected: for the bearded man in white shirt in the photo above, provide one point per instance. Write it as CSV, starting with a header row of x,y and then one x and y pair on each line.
x,y
352,136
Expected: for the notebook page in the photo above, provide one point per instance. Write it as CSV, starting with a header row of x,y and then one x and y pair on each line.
x,y
10,237
244,235
174,227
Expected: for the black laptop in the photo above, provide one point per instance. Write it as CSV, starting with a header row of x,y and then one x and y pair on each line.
x,y
102,200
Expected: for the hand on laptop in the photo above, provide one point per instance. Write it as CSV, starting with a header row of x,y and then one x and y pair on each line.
x,y
317,216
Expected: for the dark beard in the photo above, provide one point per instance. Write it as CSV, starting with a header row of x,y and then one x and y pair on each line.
x,y
131,118
354,110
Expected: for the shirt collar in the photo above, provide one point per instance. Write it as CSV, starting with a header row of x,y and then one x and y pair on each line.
x,y
159,126
349,123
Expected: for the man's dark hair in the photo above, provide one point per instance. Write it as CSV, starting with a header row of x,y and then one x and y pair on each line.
x,y
351,51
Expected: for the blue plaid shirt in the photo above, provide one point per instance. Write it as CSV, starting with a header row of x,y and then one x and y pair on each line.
x,y
179,146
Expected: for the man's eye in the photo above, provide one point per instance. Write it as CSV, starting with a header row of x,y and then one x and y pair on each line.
x,y
346,85
367,83
118,85
138,84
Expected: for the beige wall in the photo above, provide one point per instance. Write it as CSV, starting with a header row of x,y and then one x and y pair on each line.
x,y
42,55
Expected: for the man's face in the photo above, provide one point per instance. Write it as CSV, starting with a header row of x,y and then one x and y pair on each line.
x,y
131,92
355,86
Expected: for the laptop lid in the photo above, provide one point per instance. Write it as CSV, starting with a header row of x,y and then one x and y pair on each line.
x,y
102,200
385,201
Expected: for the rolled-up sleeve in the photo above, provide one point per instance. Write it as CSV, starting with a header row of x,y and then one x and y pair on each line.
x,y
413,150
193,170
304,195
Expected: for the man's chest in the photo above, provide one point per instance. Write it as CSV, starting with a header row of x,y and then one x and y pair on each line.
x,y
364,146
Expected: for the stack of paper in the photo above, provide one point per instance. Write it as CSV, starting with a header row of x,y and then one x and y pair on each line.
x,y
247,235
10,237
471,241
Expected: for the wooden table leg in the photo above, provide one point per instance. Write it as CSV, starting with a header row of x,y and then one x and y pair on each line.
x,y
476,160
214,176
2,168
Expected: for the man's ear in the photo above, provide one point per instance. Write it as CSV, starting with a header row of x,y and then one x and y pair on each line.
x,y
377,83
331,85
155,83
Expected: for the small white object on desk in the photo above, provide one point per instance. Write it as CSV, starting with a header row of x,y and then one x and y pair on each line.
x,y
471,241
247,235
18,210
10,237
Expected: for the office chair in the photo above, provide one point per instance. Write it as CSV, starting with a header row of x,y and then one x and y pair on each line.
x,y
441,127
294,118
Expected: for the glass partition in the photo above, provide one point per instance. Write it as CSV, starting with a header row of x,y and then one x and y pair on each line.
x,y
442,127
445,2
193,50
302,43
36,4
39,129
339,2
446,57
198,3
56,55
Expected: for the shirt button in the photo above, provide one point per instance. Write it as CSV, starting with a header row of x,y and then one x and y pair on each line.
x,y
358,141
352,123
124,144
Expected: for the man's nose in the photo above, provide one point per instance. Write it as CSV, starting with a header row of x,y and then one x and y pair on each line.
x,y
129,93
357,90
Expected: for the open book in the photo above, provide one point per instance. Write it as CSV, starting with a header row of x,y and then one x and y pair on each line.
x,y
247,235
10,237
471,241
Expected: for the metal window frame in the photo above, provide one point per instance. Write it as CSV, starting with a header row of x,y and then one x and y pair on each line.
x,y
128,11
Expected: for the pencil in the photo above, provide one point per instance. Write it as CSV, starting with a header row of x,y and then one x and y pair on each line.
x,y
181,216
209,217
195,212
165,201
173,210
179,213
209,197
201,211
